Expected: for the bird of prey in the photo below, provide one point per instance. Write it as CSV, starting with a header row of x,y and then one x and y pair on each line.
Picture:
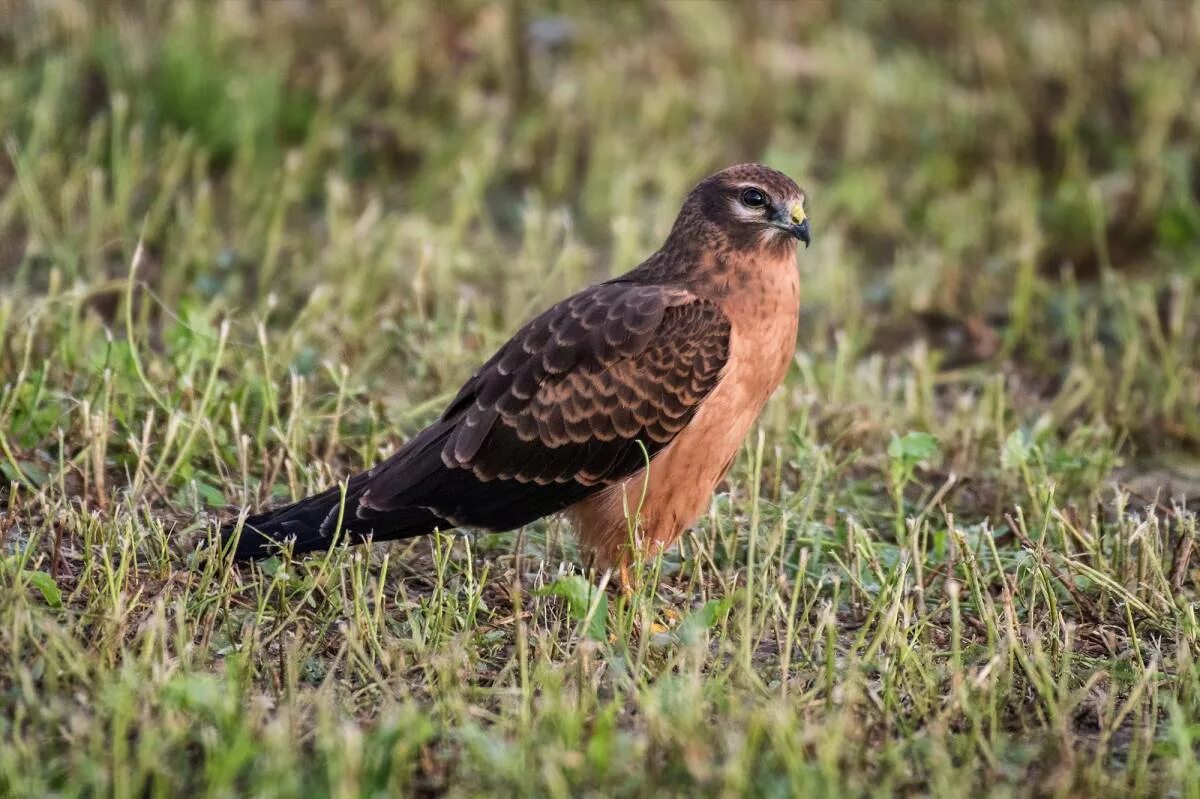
x,y
630,398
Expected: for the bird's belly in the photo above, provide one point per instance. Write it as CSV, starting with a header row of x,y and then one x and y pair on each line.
x,y
684,475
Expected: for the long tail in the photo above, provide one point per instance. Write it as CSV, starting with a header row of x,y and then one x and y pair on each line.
x,y
311,523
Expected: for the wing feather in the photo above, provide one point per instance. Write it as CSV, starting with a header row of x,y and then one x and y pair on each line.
x,y
564,408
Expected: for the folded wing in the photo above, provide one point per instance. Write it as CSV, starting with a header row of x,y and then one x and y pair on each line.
x,y
578,399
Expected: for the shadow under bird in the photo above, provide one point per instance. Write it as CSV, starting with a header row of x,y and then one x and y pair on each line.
x,y
669,364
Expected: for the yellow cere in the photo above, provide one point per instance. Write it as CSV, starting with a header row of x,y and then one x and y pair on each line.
x,y
797,214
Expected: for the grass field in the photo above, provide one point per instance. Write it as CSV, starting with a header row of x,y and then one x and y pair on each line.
x,y
957,555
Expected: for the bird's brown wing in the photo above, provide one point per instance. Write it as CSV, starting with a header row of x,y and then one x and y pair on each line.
x,y
576,400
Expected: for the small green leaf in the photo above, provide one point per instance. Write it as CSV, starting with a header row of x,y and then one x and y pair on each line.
x,y
703,618
580,594
1018,449
912,448
212,496
44,583
29,471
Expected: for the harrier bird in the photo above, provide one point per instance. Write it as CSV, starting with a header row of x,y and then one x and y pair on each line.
x,y
635,393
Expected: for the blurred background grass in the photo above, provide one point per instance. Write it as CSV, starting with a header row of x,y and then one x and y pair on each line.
x,y
346,207
949,142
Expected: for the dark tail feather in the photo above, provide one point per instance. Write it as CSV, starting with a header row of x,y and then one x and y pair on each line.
x,y
310,524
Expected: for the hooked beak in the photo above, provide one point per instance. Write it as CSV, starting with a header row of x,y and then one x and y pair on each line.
x,y
794,221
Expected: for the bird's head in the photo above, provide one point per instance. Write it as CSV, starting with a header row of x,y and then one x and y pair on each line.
x,y
749,206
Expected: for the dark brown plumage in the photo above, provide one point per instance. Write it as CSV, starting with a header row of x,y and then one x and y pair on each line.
x,y
573,405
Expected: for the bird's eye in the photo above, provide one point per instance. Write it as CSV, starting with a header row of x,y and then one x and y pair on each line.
x,y
753,198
